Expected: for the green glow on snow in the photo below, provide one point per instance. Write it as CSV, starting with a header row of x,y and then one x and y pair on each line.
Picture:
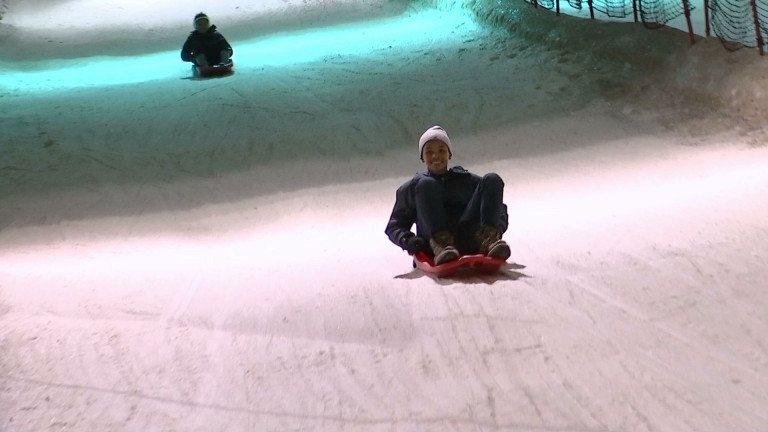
x,y
278,50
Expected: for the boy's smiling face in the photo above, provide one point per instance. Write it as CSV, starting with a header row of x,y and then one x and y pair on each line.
x,y
436,155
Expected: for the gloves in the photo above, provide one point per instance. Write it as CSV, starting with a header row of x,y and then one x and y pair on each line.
x,y
415,244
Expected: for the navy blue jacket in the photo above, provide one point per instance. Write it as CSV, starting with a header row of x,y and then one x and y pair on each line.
x,y
211,43
460,186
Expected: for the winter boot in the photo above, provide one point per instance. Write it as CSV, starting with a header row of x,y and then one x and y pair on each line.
x,y
491,243
442,246
201,60
224,56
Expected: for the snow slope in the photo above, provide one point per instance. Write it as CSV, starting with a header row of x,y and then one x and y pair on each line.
x,y
180,254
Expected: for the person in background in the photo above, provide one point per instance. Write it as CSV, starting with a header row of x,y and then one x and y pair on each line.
x,y
455,212
205,46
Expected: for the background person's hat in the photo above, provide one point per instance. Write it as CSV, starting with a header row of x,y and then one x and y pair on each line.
x,y
201,16
434,133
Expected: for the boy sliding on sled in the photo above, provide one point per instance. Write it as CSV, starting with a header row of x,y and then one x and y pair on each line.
x,y
455,212
205,46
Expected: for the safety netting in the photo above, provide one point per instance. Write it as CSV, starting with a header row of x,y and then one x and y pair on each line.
x,y
654,12
609,8
739,23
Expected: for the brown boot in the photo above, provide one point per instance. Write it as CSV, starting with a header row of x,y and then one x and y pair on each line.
x,y
491,243
442,245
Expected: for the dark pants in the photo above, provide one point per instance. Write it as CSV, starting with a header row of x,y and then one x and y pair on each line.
x,y
211,58
483,208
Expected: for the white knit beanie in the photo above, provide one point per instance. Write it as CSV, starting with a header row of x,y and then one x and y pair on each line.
x,y
201,16
434,133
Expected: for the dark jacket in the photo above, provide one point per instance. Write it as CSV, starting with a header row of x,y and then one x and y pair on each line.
x,y
460,186
211,43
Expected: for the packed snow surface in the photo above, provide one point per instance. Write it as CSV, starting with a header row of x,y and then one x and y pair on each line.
x,y
181,254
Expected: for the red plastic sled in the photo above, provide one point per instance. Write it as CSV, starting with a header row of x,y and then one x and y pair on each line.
x,y
480,263
216,70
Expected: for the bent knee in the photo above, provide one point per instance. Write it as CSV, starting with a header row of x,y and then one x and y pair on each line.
x,y
493,178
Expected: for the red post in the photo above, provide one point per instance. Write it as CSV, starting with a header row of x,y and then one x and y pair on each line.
x,y
687,9
634,9
706,18
757,26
